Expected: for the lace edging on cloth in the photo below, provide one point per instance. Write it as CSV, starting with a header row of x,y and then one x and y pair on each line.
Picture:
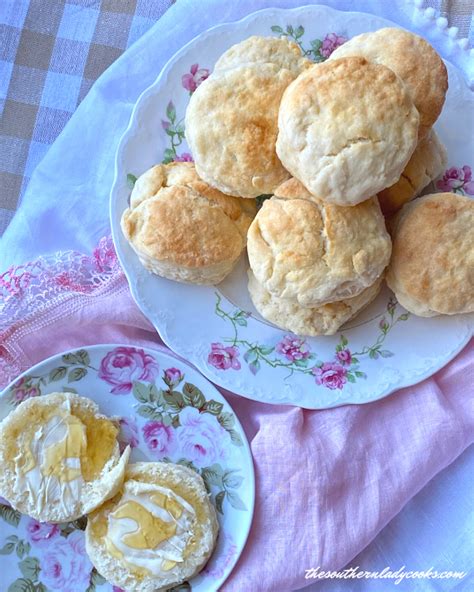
x,y
28,289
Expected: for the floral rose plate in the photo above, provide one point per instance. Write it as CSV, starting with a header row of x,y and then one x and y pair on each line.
x,y
217,328
167,412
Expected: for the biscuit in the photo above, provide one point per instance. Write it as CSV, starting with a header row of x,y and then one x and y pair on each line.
x,y
428,162
347,129
183,229
59,457
431,270
319,320
231,128
275,50
413,59
157,532
304,249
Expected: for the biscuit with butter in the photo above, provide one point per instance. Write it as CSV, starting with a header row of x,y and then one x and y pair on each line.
x,y
183,229
347,129
413,59
302,248
326,319
431,270
59,457
275,50
427,163
231,128
157,532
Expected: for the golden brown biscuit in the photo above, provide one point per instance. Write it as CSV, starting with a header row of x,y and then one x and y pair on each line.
x,y
304,249
231,128
275,50
413,59
347,129
326,319
59,457
157,532
428,162
431,270
182,229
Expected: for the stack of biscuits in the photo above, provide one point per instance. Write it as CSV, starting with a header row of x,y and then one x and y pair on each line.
x,y
338,147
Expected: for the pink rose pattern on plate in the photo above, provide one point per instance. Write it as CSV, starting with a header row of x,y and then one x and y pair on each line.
x,y
457,180
192,79
160,439
128,435
174,421
223,357
294,354
124,365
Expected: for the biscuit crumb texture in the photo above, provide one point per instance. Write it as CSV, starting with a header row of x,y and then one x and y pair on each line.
x,y
301,248
413,59
183,229
347,129
426,164
231,128
280,51
431,270
326,319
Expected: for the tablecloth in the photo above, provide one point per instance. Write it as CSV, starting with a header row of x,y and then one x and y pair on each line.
x,y
449,543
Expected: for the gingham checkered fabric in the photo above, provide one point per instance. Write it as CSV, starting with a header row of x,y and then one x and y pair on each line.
x,y
51,52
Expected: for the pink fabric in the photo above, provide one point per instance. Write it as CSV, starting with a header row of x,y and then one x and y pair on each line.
x,y
327,481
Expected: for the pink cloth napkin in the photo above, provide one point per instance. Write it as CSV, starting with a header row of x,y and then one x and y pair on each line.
x,y
326,481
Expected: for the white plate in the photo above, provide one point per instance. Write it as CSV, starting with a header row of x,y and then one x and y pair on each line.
x,y
382,350
167,411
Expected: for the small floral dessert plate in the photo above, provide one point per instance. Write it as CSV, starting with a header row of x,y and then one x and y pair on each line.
x,y
167,412
217,328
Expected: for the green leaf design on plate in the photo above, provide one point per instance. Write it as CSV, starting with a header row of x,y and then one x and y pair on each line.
x,y
57,373
277,29
7,549
131,180
213,475
22,549
10,515
174,400
149,413
81,357
299,32
96,578
235,437
76,374
171,112
30,568
168,156
193,396
227,420
213,407
22,585
230,479
235,501
219,501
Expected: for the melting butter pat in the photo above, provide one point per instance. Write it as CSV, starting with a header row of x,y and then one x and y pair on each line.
x,y
149,523
151,530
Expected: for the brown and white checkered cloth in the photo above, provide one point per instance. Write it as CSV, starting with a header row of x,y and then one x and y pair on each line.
x,y
51,52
